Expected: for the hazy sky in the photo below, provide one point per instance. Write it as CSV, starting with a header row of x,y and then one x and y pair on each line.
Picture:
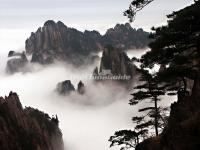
x,y
84,14
18,18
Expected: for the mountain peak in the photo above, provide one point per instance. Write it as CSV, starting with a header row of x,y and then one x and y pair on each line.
x,y
49,23
128,26
125,26
53,23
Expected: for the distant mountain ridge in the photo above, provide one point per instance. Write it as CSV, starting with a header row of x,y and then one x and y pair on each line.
x,y
125,37
57,41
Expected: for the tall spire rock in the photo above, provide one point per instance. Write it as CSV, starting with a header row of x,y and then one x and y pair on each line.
x,y
81,88
116,62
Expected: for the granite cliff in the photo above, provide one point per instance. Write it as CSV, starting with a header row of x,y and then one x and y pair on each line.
x,y
27,128
115,62
125,37
56,41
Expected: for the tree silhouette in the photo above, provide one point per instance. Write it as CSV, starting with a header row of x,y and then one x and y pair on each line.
x,y
126,138
138,5
177,47
148,90
152,115
134,7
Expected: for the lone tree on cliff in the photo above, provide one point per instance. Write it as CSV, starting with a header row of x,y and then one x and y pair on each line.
x,y
152,115
148,90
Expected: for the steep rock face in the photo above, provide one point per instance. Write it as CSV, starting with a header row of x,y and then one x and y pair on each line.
x,y
115,62
17,61
65,87
183,129
57,41
27,129
125,37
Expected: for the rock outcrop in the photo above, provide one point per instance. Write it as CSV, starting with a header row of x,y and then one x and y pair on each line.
x,y
81,88
55,41
27,129
116,62
65,87
96,72
17,62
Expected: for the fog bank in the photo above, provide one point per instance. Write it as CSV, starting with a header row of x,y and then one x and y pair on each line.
x,y
86,121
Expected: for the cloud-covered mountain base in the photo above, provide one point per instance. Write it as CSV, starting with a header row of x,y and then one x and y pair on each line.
x,y
86,120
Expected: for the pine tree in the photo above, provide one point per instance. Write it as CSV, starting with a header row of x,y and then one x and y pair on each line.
x,y
138,5
126,139
152,116
148,90
134,7
177,47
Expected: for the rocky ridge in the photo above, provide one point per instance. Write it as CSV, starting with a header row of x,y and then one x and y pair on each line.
x,y
27,128
125,37
56,41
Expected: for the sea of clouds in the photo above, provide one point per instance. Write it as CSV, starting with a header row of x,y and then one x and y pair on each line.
x,y
87,121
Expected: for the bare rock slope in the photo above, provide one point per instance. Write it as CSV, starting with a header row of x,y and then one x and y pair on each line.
x,y
27,129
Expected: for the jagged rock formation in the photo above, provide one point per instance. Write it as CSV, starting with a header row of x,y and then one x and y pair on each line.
x,y
55,41
116,62
125,37
27,129
65,87
17,62
81,88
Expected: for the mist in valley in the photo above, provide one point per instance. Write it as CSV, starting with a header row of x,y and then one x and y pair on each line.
x,y
87,121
